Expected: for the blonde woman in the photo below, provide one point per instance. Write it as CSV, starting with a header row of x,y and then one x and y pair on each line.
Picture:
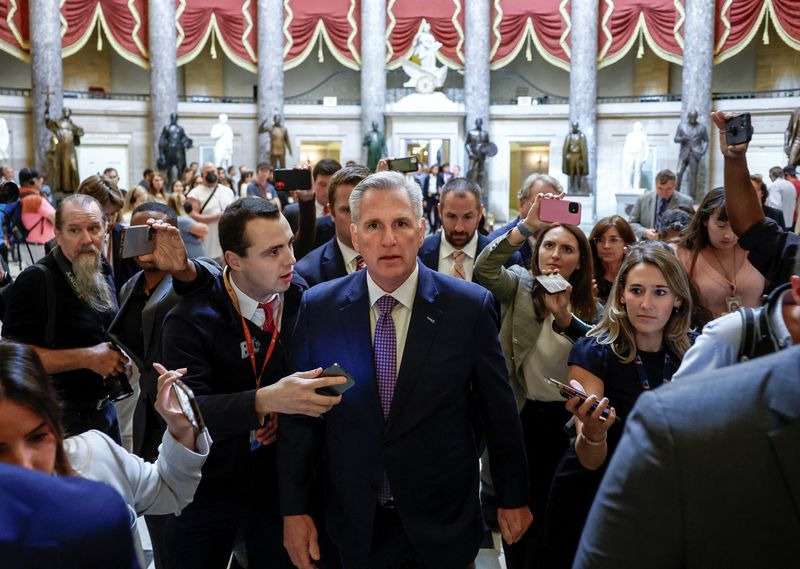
x,y
637,345
135,197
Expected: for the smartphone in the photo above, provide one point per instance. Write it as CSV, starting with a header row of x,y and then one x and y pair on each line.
x,y
335,390
138,240
738,129
552,284
568,392
189,404
404,165
560,211
290,179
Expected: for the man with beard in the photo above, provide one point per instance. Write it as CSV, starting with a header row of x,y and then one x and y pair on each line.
x,y
62,306
208,200
454,250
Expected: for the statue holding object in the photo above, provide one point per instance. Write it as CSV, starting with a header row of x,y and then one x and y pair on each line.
x,y
172,147
61,156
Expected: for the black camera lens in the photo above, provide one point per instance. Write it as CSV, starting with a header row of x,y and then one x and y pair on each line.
x,y
117,387
573,207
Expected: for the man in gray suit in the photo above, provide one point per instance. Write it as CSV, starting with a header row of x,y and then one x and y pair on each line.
x,y
645,218
706,475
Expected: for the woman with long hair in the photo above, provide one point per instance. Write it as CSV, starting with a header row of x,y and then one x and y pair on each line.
x,y
608,239
32,436
637,345
717,265
157,185
135,197
177,187
536,335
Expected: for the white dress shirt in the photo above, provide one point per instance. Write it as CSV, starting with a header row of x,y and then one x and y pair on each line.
x,y
319,208
349,255
447,260
248,307
401,315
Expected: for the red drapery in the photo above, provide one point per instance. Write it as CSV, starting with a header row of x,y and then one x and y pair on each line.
x,y
541,25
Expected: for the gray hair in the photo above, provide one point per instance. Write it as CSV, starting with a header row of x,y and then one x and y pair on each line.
x,y
524,192
84,201
386,181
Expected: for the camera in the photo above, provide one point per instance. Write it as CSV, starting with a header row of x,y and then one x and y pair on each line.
x,y
574,207
9,192
117,387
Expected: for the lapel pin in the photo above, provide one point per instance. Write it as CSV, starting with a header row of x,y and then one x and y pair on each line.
x,y
431,320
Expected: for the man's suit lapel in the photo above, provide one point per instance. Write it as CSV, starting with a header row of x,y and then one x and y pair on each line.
x,y
151,310
785,440
333,261
429,252
426,318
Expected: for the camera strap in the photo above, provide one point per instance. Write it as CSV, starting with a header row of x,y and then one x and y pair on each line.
x,y
667,371
205,203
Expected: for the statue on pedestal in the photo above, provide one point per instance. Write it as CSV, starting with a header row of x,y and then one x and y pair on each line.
x,y
223,147
478,149
634,155
693,138
792,139
172,149
63,162
375,144
278,141
423,73
575,159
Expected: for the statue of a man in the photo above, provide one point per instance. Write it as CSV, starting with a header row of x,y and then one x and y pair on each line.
x,y
223,148
478,148
634,155
64,161
693,138
278,141
792,139
575,158
172,148
375,143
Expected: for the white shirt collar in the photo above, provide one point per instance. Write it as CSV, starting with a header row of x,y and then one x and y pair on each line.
x,y
404,294
470,249
248,306
320,208
348,254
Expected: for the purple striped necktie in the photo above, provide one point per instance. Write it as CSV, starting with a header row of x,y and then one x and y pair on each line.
x,y
385,348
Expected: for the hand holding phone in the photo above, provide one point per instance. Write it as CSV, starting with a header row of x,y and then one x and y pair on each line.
x,y
336,390
560,211
738,129
404,165
568,392
289,179
138,240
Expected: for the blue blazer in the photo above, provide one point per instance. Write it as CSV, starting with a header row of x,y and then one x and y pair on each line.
x,y
429,252
525,251
323,264
452,375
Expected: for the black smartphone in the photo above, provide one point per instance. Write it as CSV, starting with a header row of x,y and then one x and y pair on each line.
x,y
404,165
738,129
335,390
568,392
138,240
189,404
289,179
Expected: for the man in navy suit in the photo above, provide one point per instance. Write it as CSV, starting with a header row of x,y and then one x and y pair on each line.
x,y
335,257
401,460
453,251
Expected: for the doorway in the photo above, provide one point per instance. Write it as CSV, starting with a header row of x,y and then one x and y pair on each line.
x,y
428,151
526,158
313,151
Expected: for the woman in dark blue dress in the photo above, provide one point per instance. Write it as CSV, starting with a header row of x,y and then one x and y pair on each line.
x,y
637,346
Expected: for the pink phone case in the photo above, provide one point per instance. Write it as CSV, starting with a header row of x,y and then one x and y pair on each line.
x,y
560,211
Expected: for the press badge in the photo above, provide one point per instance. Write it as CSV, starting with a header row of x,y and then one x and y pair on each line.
x,y
254,442
245,352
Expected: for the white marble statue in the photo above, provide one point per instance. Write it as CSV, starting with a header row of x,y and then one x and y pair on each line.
x,y
634,155
223,147
4,140
423,73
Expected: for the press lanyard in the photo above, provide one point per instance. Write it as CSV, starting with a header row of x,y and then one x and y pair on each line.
x,y
640,371
248,338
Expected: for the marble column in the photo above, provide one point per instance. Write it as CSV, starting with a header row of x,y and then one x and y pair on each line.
x,y
47,73
698,54
373,66
163,70
583,81
270,69
476,63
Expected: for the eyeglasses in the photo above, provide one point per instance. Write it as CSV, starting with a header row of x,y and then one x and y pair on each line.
x,y
610,240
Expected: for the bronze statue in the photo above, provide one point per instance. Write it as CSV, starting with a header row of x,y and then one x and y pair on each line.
x,y
478,149
63,162
172,149
278,141
792,139
375,143
575,159
693,138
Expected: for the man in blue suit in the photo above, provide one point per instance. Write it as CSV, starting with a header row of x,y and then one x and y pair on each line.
x,y
401,461
453,251
335,257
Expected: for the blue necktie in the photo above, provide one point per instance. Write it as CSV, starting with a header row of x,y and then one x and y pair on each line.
x,y
662,207
385,348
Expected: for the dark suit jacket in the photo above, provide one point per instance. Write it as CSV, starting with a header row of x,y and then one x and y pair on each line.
x,y
707,474
427,447
429,252
323,264
643,215
525,251
775,214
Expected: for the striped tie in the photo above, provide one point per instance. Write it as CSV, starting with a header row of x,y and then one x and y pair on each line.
x,y
458,267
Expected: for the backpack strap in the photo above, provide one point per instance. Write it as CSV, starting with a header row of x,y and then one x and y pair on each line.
x,y
49,331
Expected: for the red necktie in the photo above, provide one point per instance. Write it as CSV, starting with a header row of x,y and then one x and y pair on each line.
x,y
269,323
360,263
326,210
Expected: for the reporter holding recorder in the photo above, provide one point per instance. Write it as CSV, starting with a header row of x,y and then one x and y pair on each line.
x,y
536,335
